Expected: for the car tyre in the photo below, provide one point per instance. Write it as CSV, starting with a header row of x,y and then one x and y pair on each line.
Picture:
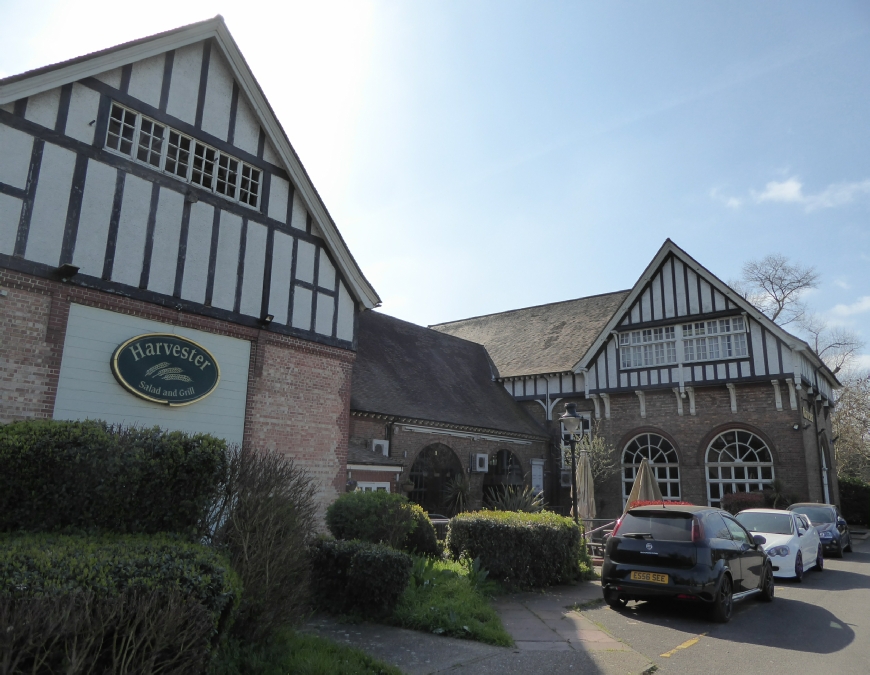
x,y
820,560
848,547
767,584
839,552
612,598
723,604
799,567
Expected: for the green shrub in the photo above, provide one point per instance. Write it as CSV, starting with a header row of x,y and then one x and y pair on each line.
x,y
528,550
264,522
735,502
514,499
358,577
80,634
379,517
422,540
855,500
382,517
110,566
89,476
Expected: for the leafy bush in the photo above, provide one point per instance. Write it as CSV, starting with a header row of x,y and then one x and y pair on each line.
x,y
736,502
855,500
53,565
512,499
264,521
521,549
422,540
79,633
358,577
57,475
381,517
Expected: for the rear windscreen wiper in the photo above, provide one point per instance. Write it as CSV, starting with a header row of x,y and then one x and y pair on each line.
x,y
639,535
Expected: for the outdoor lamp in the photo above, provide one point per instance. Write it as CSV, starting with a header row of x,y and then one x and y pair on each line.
x,y
571,421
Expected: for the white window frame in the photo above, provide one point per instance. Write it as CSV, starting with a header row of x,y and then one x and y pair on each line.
x,y
244,173
720,340
717,473
648,348
372,486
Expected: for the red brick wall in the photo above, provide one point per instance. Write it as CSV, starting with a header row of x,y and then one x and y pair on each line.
x,y
794,452
298,391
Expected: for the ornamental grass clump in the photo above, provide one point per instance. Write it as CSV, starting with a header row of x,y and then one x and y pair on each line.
x,y
526,550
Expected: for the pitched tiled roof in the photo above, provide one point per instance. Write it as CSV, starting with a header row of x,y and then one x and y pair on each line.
x,y
539,340
409,371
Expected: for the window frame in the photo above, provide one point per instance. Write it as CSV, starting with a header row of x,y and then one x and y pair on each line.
x,y
733,482
247,186
667,450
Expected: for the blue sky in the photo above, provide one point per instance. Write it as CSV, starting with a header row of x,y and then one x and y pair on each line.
x,y
483,156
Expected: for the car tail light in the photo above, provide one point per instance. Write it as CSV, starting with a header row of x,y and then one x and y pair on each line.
x,y
616,527
697,530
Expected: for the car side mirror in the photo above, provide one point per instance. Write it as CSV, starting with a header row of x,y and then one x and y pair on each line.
x,y
758,539
841,522
801,533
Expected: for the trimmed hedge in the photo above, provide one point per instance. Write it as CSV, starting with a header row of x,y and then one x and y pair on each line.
x,y
83,476
381,517
110,566
855,500
528,550
735,502
358,577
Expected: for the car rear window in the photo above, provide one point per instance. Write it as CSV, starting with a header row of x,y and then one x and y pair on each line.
x,y
661,526
816,514
768,523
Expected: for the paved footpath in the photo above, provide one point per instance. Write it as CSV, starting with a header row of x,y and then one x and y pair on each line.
x,y
550,637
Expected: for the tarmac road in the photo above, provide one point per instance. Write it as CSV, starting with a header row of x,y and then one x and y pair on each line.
x,y
819,626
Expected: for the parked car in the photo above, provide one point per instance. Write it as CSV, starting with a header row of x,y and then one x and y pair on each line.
x,y
685,552
833,530
793,544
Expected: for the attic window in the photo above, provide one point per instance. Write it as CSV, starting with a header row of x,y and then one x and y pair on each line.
x,y
157,145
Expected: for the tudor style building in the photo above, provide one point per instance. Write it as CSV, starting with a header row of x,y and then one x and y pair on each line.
x,y
679,370
148,189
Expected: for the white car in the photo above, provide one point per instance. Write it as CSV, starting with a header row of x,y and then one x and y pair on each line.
x,y
791,541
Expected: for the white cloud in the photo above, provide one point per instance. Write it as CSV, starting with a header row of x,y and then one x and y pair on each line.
x,y
730,202
842,283
862,305
790,191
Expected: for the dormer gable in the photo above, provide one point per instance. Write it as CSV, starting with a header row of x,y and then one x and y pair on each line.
x,y
681,326
158,169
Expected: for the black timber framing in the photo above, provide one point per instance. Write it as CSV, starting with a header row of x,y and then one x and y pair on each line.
x,y
122,290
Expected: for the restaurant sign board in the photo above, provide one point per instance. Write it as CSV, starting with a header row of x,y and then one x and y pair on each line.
x,y
165,368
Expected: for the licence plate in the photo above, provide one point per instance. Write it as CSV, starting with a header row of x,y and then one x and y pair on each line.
x,y
649,576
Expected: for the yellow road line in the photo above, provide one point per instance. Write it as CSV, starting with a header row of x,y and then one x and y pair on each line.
x,y
685,645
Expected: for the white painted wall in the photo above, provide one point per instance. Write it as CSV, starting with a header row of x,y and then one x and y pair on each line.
x,y
195,279
50,206
130,245
305,253
184,86
146,80
301,308
87,389
15,150
344,327
90,250
252,284
164,253
279,294
42,108
247,132
325,312
227,264
10,213
218,95
81,120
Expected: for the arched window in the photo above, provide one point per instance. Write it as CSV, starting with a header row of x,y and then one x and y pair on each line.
x,y
663,461
737,461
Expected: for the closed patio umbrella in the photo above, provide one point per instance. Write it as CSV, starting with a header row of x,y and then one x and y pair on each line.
x,y
585,489
645,488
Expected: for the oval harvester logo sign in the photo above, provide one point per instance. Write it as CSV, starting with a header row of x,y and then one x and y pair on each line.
x,y
165,368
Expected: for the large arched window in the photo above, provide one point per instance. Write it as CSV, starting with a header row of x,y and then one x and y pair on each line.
x,y
737,461
663,461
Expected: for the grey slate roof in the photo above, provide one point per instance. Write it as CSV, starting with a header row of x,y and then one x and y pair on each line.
x,y
360,455
410,371
539,340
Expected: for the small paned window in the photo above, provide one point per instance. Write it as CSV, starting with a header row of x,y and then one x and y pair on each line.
x,y
722,339
648,347
149,142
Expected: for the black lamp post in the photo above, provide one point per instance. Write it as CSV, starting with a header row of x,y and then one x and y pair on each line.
x,y
571,422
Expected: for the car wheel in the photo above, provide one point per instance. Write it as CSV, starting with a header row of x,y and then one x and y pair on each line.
x,y
799,567
839,552
848,548
767,584
613,600
723,605
820,560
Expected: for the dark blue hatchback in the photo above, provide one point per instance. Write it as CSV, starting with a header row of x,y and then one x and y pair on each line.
x,y
684,552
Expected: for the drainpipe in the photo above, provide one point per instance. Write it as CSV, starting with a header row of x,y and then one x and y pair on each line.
x,y
823,466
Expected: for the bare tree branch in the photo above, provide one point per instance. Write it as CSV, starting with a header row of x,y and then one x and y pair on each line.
x,y
774,285
836,345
